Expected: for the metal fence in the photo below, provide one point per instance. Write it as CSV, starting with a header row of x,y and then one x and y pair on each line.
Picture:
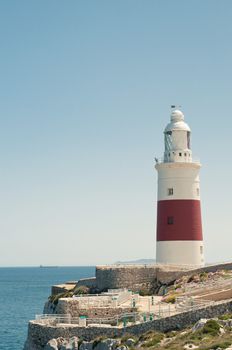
x,y
184,304
160,310
123,319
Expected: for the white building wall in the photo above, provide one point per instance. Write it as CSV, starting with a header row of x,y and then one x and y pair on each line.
x,y
183,178
180,252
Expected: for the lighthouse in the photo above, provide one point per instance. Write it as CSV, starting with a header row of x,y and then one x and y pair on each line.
x,y
179,227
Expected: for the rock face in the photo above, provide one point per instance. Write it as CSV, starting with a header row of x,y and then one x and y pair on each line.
x,y
107,344
49,308
51,345
200,324
62,344
72,344
130,342
86,345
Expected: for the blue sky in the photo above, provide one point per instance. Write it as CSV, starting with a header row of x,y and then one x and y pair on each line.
x,y
85,93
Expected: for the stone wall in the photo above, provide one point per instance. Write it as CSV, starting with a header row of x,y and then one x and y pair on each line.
x,y
70,306
39,334
131,277
136,277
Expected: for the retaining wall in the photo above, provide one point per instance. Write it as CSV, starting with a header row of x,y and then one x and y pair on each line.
x,y
131,277
136,277
70,306
39,334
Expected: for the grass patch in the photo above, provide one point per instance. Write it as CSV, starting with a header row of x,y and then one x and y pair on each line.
x,y
177,286
149,335
171,298
221,345
211,327
76,291
171,334
127,336
55,298
225,317
154,340
145,292
206,338
81,290
203,276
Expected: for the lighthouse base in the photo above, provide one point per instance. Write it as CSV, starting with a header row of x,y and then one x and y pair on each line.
x,y
180,253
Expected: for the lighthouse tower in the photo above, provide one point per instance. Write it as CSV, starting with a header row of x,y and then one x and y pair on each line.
x,y
179,228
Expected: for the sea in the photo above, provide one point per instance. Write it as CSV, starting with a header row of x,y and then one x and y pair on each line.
x,y
23,292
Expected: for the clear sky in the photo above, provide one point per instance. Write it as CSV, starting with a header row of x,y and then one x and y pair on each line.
x,y
85,93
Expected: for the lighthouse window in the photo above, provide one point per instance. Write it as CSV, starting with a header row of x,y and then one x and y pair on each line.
x,y
198,191
201,249
180,154
188,139
168,140
170,220
170,191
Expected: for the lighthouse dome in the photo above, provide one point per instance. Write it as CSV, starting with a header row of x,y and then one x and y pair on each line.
x,y
177,116
177,122
179,125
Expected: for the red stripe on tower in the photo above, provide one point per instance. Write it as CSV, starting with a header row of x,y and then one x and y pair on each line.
x,y
179,220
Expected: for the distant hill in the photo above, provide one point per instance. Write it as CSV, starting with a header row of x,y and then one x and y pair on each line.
x,y
137,262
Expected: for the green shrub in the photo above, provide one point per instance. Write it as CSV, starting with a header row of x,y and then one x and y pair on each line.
x,y
156,338
225,317
203,276
151,338
196,337
55,298
127,336
171,298
81,290
80,341
211,327
177,286
145,292
220,345
146,336
171,334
